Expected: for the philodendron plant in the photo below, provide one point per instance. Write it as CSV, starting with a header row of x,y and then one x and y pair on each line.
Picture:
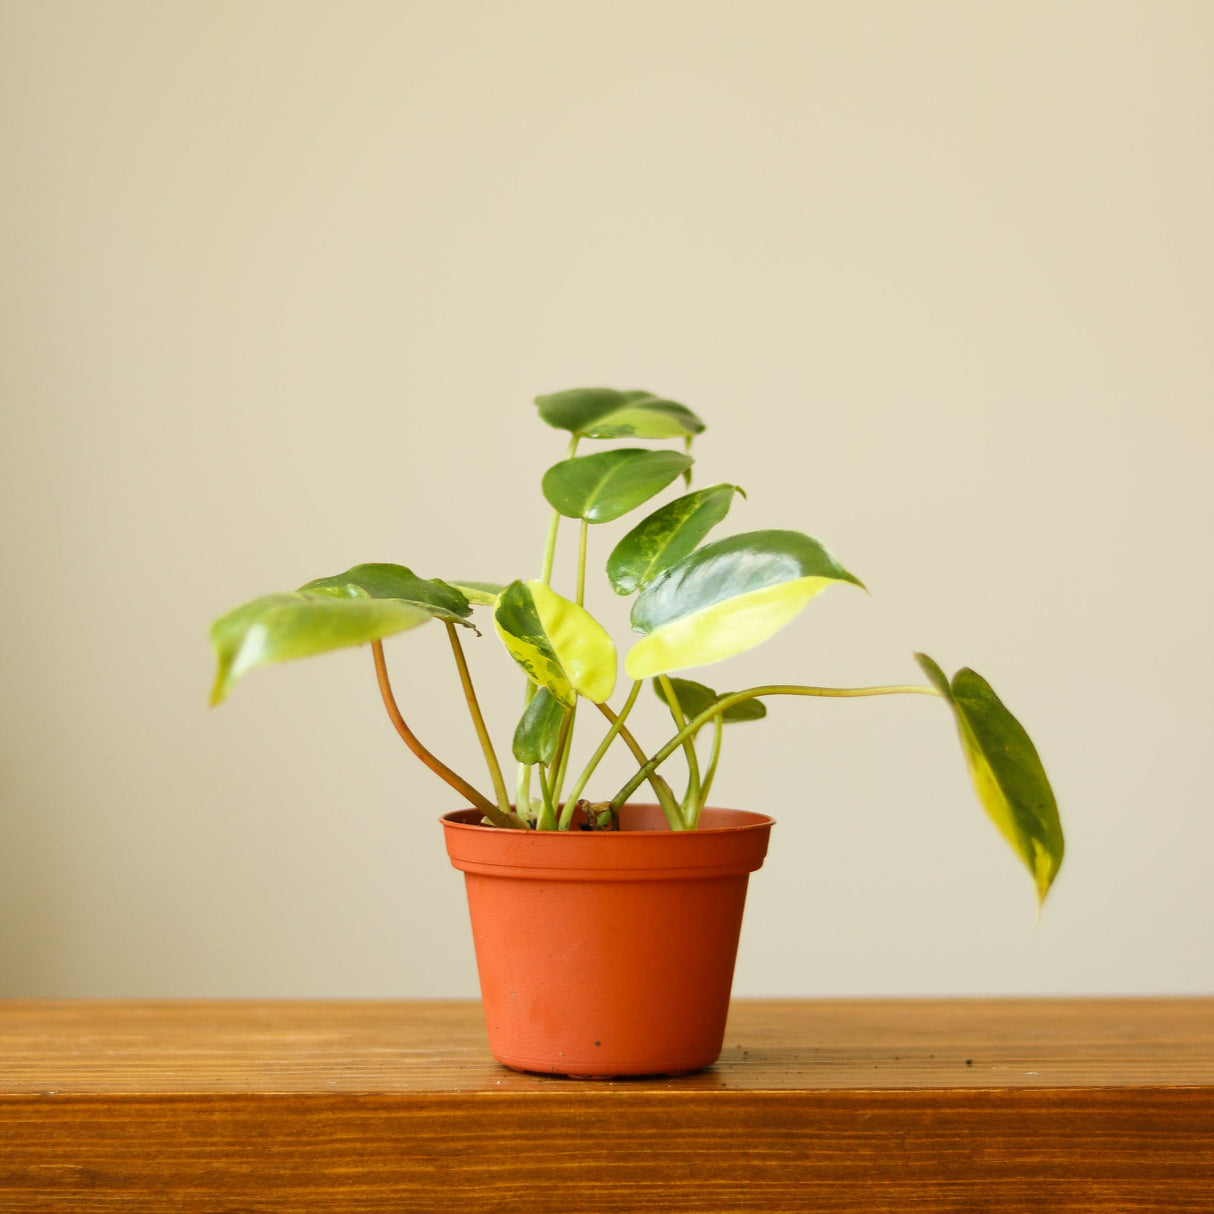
x,y
694,603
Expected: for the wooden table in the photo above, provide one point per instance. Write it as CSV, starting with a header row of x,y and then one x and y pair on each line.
x,y
865,1105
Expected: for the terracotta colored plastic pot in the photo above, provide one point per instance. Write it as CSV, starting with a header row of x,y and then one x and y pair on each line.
x,y
607,953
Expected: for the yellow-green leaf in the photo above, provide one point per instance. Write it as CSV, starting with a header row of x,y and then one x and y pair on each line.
x,y
560,645
726,598
481,594
1006,771
363,604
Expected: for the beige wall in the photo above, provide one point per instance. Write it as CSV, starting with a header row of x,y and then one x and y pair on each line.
x,y
279,282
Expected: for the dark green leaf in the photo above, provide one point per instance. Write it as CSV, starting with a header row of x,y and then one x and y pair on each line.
x,y
694,698
608,413
1006,770
539,728
599,488
666,536
395,582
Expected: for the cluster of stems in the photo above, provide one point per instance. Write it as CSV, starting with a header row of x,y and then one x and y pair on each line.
x,y
555,809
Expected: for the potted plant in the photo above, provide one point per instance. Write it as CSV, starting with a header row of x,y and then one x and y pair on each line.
x,y
606,930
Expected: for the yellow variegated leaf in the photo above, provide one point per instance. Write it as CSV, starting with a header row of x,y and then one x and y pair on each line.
x,y
560,645
722,630
726,598
1006,771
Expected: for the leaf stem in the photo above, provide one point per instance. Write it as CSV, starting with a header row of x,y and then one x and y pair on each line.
x,y
547,815
523,781
670,807
691,802
560,760
436,765
718,728
595,759
776,689
478,721
581,562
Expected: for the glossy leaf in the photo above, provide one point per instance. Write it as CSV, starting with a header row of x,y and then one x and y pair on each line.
x,y
608,413
367,603
599,488
539,728
1006,770
694,698
726,598
560,645
666,536
480,594
383,581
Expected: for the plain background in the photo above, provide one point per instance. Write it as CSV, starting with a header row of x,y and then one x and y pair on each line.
x,y
279,283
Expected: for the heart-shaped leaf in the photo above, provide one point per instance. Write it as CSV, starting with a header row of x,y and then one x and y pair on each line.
x,y
666,536
608,413
560,645
599,488
726,598
694,698
539,728
1006,770
365,604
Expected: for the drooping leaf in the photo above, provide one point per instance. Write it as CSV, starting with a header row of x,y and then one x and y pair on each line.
x,y
726,598
608,413
601,487
666,536
1006,770
367,603
539,728
694,698
560,645
480,594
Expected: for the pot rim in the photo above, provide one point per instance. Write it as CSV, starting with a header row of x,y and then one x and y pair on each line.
x,y
471,819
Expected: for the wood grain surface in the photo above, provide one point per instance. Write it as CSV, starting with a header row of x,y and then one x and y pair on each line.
x,y
866,1105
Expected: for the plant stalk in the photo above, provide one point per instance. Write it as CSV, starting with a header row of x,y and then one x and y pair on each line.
x,y
478,721
595,759
523,780
581,562
691,801
718,728
662,790
436,765
560,760
776,689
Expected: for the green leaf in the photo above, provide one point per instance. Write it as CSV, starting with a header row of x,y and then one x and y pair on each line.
x,y
560,645
1007,772
365,604
726,598
480,594
694,698
599,488
395,582
539,728
608,413
666,536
